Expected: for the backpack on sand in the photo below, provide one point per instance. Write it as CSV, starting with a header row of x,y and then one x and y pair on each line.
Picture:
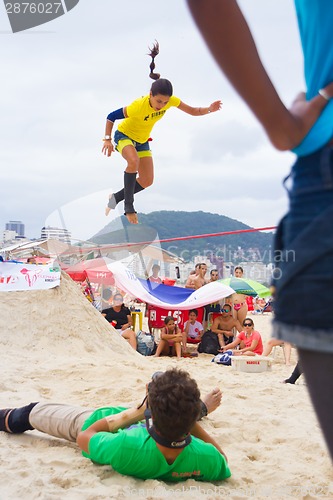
x,y
209,343
145,343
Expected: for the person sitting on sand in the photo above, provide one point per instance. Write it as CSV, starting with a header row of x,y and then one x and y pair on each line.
x,y
120,317
193,329
249,341
170,446
224,324
170,340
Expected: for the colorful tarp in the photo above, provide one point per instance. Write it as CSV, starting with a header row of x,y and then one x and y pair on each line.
x,y
167,296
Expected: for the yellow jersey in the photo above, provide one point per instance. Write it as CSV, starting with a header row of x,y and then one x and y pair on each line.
x,y
141,118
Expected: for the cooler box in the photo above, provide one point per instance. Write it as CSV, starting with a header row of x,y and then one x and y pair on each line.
x,y
251,364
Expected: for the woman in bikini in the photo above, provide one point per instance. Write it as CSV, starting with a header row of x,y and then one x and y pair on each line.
x,y
133,133
238,300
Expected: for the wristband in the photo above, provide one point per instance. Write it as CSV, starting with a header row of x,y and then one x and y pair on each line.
x,y
324,94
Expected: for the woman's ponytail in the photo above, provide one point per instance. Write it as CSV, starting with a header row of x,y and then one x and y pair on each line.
x,y
153,52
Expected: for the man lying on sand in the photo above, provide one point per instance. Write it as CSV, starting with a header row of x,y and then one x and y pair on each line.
x,y
171,445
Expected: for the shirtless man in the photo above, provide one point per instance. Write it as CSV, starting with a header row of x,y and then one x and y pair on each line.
x,y
197,280
238,300
223,325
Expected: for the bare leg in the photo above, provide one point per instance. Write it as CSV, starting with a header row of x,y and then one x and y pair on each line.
x,y
270,344
242,313
178,349
131,337
184,341
287,352
161,348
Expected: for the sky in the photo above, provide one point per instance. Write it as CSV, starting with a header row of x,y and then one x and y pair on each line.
x,y
61,79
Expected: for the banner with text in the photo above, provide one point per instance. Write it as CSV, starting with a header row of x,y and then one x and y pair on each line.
x,y
14,276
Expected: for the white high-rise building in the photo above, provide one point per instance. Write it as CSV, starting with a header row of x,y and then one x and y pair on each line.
x,y
56,233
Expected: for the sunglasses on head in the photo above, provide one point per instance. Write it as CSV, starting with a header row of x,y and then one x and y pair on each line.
x,y
247,324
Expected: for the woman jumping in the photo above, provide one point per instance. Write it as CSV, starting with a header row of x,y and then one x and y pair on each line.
x,y
132,136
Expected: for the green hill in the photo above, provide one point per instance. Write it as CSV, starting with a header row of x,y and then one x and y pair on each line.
x,y
167,224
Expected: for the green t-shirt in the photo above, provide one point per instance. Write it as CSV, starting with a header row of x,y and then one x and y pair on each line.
x,y
133,452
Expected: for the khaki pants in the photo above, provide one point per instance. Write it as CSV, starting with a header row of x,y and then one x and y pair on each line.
x,y
59,420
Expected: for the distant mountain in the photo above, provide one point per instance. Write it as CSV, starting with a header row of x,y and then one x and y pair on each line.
x,y
167,224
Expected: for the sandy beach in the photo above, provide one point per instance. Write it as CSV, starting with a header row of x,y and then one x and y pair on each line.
x,y
56,347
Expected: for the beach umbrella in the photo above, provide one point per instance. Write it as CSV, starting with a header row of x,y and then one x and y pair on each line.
x,y
247,286
95,270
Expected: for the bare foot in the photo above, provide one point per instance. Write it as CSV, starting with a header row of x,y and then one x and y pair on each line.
x,y
213,399
132,218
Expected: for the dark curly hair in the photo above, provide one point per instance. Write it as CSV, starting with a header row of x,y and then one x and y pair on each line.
x,y
174,400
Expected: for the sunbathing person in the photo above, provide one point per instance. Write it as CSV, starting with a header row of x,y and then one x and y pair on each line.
x,y
171,445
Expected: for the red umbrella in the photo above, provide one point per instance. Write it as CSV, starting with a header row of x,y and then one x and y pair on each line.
x,y
95,270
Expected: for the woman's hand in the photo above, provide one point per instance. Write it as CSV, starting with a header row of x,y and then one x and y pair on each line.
x,y
215,106
108,147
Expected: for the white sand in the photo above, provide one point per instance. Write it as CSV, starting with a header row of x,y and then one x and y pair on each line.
x,y
55,346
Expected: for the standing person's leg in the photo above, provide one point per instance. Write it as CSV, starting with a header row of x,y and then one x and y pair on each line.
x,y
242,313
295,374
287,352
318,371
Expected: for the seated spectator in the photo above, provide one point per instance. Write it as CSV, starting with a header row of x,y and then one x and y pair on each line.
x,y
249,341
223,326
154,278
193,329
103,301
170,340
285,345
120,317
